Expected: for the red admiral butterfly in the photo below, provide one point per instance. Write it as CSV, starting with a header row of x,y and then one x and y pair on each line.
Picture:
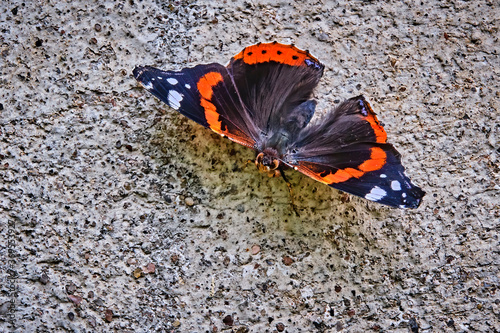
x,y
261,100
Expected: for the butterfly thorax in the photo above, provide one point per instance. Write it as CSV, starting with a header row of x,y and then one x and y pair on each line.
x,y
278,142
268,162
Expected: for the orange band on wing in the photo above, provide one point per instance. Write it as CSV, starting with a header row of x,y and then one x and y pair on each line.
x,y
380,134
207,83
206,86
211,115
341,175
283,54
377,160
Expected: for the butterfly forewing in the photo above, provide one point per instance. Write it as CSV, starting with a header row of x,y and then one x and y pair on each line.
x,y
374,173
205,94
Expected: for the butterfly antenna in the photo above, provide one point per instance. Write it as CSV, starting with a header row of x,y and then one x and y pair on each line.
x,y
290,190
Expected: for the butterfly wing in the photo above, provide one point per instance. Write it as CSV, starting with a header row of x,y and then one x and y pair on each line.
x,y
349,151
275,82
205,94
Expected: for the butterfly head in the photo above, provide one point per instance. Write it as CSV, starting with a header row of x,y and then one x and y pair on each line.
x,y
268,162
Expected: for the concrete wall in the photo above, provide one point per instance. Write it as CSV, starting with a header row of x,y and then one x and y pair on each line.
x,y
120,215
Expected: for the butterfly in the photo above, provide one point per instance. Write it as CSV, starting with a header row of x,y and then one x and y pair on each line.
x,y
263,100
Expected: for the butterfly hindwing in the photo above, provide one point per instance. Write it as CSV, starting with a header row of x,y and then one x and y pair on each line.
x,y
352,122
273,81
205,94
348,151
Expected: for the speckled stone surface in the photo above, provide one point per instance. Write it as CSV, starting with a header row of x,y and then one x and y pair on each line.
x,y
119,215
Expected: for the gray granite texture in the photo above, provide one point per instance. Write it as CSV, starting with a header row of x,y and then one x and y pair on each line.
x,y
120,215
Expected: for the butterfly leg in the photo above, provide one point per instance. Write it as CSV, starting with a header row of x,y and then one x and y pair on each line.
x,y
290,190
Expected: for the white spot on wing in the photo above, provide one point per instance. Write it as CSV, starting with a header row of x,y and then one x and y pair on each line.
x,y
403,195
376,194
187,85
395,185
147,85
172,81
174,99
159,78
383,175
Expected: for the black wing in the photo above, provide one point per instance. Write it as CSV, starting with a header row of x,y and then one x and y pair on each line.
x,y
349,151
205,94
